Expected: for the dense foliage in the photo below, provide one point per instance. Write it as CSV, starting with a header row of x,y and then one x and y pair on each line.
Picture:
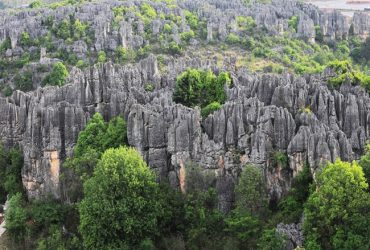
x,y
120,207
201,88
57,76
97,137
337,214
11,163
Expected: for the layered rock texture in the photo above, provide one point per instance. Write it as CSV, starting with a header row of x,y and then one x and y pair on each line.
x,y
302,117
218,17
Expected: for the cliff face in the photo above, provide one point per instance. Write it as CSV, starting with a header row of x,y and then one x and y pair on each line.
x,y
264,114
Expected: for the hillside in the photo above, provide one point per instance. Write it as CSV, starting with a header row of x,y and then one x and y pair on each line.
x,y
216,87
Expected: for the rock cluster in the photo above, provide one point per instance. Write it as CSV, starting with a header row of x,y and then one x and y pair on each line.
x,y
302,117
219,16
293,234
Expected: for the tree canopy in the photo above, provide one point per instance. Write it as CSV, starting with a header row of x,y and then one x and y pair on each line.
x,y
120,207
57,76
201,88
337,214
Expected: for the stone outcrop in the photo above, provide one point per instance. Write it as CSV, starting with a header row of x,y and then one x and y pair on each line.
x,y
293,234
302,117
217,14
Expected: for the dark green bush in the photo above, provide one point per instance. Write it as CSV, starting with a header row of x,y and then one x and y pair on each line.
x,y
57,76
24,82
11,163
281,159
201,88
174,48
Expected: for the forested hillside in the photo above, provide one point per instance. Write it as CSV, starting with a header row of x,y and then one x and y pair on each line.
x,y
185,124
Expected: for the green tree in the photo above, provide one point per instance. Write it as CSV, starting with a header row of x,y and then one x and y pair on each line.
x,y
3,166
16,217
91,143
79,29
250,192
291,206
57,76
244,222
365,163
337,214
25,39
24,82
201,88
102,57
271,240
203,221
116,134
11,163
13,180
92,136
120,208
63,30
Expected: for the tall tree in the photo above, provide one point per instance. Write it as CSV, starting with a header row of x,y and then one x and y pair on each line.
x,y
121,206
337,214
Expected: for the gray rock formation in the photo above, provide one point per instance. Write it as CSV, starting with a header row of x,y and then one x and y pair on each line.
x,y
264,114
293,234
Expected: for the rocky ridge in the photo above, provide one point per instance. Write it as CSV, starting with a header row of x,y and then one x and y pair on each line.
x,y
303,117
220,18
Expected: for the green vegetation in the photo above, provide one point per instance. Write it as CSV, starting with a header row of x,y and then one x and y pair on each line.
x,y
97,137
38,224
365,163
149,87
16,218
337,214
102,57
290,208
280,159
24,81
201,88
11,163
123,207
36,4
210,108
120,208
57,76
345,73
293,23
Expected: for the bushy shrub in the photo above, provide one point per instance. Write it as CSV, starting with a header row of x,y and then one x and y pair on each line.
x,y
174,48
272,240
24,81
232,39
102,57
16,217
210,108
11,163
280,158
293,23
35,4
200,88
186,36
57,76
192,20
